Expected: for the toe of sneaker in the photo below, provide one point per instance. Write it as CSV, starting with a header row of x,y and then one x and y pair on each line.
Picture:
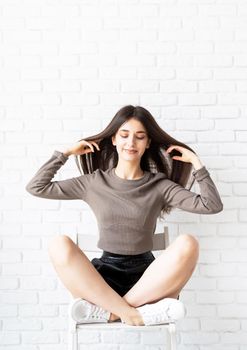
x,y
177,311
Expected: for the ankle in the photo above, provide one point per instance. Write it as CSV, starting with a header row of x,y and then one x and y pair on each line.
x,y
113,318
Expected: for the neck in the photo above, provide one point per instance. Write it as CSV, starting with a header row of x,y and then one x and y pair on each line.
x,y
129,171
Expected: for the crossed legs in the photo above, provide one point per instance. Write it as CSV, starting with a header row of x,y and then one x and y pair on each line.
x,y
165,277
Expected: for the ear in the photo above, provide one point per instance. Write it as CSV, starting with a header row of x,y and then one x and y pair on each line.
x,y
148,144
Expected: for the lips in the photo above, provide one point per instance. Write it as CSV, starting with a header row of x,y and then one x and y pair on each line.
x,y
130,151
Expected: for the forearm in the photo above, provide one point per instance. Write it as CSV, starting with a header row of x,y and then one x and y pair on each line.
x,y
40,185
207,202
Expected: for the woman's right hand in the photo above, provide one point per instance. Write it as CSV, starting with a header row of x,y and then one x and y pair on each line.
x,y
81,147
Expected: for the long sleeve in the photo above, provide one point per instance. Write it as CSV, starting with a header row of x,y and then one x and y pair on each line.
x,y
208,202
42,186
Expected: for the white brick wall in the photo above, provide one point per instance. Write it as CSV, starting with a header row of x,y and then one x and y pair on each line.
x,y
66,67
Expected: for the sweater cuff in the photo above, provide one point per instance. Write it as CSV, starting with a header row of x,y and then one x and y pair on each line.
x,y
200,174
61,156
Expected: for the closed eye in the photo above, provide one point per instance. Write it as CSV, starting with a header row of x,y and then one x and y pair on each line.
x,y
139,138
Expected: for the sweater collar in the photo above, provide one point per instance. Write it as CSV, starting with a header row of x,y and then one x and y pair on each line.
x,y
126,181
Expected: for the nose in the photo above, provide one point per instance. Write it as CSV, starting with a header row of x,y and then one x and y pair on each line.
x,y
131,141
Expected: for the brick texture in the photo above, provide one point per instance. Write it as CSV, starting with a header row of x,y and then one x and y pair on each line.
x,y
66,67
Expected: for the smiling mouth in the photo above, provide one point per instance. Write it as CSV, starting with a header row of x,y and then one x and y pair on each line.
x,y
130,151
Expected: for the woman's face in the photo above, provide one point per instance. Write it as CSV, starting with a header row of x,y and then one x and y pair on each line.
x,y
131,140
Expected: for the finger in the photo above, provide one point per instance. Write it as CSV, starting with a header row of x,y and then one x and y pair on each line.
x,y
96,145
87,151
177,158
170,148
91,146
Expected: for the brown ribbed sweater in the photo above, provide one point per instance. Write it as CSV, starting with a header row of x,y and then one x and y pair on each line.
x,y
126,210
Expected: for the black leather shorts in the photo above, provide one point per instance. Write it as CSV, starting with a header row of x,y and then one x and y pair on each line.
x,y
121,272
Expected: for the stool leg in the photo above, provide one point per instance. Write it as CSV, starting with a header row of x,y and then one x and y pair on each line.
x,y
168,339
73,336
172,334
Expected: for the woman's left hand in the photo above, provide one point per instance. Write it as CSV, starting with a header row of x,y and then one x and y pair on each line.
x,y
187,155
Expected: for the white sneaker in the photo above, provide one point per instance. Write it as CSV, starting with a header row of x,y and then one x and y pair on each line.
x,y
82,311
163,311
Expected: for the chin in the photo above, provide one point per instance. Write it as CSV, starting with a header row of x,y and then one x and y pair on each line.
x,y
131,159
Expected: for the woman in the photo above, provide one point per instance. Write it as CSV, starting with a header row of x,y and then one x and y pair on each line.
x,y
132,172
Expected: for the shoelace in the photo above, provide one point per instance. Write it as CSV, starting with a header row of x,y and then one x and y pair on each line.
x,y
95,311
159,319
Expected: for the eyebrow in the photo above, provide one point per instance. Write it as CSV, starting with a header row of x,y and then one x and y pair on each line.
x,y
138,132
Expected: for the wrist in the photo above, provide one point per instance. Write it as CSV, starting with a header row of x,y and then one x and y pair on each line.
x,y
197,164
67,153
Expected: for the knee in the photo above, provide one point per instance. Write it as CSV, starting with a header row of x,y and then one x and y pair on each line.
x,y
188,246
60,249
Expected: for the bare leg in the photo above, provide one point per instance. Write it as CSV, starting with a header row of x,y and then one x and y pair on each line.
x,y
83,281
169,272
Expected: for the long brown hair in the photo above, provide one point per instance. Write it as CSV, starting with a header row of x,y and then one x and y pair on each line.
x,y
154,158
